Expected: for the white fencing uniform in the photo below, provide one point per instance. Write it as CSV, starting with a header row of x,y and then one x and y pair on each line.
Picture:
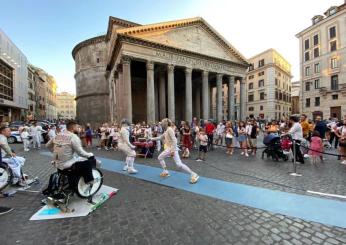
x,y
126,147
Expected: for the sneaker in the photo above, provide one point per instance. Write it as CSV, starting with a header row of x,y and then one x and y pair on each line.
x,y
199,160
164,174
242,153
125,168
194,178
247,155
5,210
343,162
132,171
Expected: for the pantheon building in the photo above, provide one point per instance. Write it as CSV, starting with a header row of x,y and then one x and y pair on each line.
x,y
149,72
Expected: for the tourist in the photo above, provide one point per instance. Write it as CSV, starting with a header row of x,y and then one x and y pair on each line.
x,y
171,150
203,144
273,128
321,127
209,130
187,141
253,136
296,132
341,133
104,136
194,125
305,126
36,133
220,130
242,138
332,126
126,147
229,134
25,138
316,147
51,132
88,135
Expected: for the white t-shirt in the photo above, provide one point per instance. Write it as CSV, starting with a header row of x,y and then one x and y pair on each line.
x,y
296,131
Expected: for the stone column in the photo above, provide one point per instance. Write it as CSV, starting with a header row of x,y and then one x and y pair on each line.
x,y
242,104
231,98
188,94
150,93
198,102
219,115
162,95
126,61
170,85
205,94
211,102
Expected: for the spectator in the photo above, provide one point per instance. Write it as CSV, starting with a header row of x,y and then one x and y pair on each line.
x,y
209,130
220,130
88,135
229,138
316,147
203,144
305,126
253,136
296,132
321,127
242,138
341,133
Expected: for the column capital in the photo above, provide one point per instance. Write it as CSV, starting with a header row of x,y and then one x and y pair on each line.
x,y
170,67
219,76
126,60
150,65
188,70
205,73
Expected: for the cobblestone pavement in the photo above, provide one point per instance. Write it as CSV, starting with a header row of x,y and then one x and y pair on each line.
x,y
147,213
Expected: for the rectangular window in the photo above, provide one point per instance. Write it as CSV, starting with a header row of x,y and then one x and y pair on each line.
x,y
307,56
317,101
334,82
307,71
261,83
6,81
332,32
307,102
261,63
251,77
307,86
335,97
276,81
306,44
315,40
317,83
316,52
261,73
251,67
333,63
332,46
317,68
250,97
262,96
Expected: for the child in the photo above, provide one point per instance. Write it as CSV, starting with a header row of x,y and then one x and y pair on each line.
x,y
229,140
316,147
25,138
242,138
203,145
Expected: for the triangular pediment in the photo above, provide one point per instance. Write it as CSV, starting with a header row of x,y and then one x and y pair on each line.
x,y
194,35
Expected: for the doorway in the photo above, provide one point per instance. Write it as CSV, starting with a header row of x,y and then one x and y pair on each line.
x,y
335,112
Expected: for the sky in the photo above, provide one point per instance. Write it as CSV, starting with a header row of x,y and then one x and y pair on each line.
x,y
47,30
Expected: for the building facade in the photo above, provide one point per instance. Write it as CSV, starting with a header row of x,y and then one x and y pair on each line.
x,y
32,77
66,105
268,86
149,72
13,81
323,64
295,97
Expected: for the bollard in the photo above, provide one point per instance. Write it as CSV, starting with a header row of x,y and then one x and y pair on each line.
x,y
295,161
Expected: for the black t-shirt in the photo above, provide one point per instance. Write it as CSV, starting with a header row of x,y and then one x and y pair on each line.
x,y
253,134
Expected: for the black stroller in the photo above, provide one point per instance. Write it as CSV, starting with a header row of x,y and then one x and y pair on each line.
x,y
273,148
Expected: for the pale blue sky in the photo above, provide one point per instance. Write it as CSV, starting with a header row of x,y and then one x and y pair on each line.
x,y
47,30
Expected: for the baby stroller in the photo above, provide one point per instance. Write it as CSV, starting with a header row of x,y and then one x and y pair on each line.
x,y
277,147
